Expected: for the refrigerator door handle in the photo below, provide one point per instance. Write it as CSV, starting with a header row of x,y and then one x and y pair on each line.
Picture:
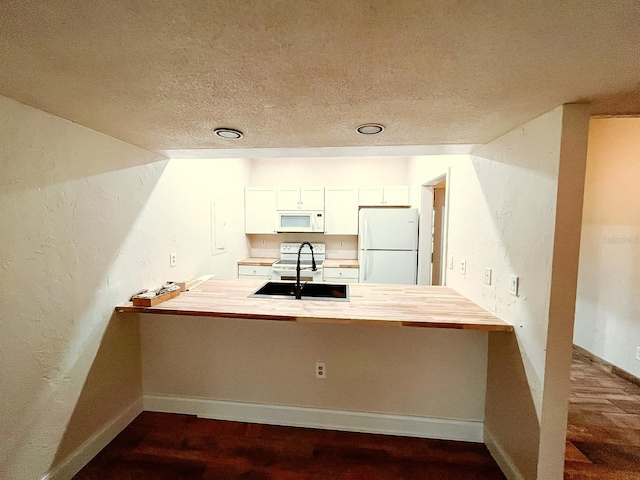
x,y
364,250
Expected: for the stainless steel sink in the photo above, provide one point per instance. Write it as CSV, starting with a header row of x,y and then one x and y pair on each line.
x,y
310,291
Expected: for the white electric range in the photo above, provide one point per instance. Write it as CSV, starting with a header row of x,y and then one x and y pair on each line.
x,y
285,268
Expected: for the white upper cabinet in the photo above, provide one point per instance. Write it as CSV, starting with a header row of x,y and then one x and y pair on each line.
x,y
384,196
341,211
308,198
260,210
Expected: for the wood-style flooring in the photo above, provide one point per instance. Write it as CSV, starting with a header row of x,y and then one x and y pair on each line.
x,y
163,446
603,443
603,438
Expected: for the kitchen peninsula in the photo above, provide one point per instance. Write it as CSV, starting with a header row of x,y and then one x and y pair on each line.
x,y
217,352
374,304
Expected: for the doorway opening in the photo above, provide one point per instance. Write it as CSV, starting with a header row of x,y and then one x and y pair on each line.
x,y
432,243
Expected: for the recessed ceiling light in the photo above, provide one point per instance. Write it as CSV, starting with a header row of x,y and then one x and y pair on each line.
x,y
229,133
370,129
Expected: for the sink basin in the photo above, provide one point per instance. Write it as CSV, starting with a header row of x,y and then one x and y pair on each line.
x,y
310,291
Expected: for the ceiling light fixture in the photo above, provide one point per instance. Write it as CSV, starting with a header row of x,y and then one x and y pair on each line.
x,y
228,133
370,129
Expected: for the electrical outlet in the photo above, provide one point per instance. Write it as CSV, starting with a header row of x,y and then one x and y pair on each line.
x,y
487,276
172,260
513,285
463,267
321,370
637,353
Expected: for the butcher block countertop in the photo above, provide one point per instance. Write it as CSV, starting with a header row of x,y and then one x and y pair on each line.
x,y
258,261
340,263
370,304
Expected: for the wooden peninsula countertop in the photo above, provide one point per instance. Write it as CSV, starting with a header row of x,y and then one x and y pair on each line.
x,y
372,304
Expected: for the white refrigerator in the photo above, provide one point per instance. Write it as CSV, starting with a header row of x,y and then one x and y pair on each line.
x,y
388,245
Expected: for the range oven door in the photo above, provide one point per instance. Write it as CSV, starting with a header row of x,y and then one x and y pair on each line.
x,y
305,222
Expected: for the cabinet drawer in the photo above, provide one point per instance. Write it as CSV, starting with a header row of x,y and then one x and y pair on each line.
x,y
339,280
254,270
341,273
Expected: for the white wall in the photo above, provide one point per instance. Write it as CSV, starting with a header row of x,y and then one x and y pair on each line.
x,y
87,221
401,371
329,171
608,305
179,218
503,214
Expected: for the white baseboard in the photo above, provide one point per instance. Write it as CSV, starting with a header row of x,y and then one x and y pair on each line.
x,y
502,458
92,446
440,428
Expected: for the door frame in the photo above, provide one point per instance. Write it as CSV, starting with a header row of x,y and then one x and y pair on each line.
x,y
425,238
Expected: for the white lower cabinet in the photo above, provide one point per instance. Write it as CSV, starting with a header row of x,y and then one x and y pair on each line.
x,y
340,275
254,271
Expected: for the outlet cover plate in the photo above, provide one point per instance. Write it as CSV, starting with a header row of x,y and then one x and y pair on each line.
x,y
487,276
513,284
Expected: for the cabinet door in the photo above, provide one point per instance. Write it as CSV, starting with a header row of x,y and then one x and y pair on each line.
x,y
288,199
259,210
396,196
341,211
340,274
312,198
257,271
371,196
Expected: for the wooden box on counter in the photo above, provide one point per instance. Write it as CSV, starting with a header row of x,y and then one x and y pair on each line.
x,y
150,302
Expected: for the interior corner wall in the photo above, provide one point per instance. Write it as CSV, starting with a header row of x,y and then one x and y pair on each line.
x,y
502,216
608,306
88,220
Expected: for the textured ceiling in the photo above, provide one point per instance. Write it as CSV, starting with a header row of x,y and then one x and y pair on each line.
x,y
163,74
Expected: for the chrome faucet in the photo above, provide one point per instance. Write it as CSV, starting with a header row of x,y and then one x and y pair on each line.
x,y
313,268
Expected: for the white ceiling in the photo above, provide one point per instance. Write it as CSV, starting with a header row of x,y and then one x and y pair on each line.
x,y
304,73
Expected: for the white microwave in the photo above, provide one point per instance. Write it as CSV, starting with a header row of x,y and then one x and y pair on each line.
x,y
301,221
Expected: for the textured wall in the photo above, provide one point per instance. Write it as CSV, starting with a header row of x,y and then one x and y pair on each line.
x,y
69,197
608,308
88,220
503,215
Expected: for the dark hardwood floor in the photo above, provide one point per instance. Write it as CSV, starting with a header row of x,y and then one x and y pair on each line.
x,y
603,443
167,446
603,438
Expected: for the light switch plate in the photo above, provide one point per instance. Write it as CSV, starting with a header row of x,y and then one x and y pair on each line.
x,y
487,276
513,284
451,262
